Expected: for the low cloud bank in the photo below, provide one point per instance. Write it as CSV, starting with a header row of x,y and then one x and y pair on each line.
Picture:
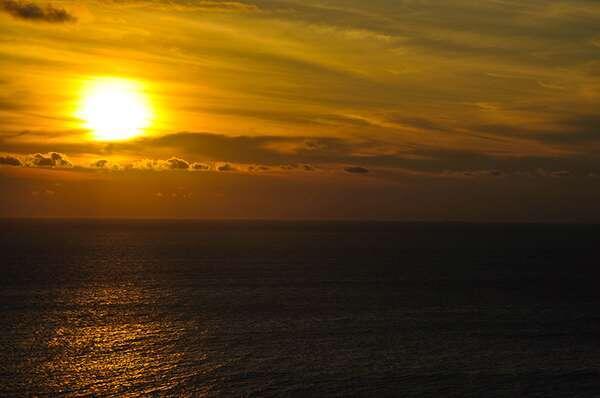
x,y
57,160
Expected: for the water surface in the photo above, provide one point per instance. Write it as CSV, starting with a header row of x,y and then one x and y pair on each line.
x,y
136,308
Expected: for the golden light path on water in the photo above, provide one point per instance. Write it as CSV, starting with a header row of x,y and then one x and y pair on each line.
x,y
108,333
107,346
114,108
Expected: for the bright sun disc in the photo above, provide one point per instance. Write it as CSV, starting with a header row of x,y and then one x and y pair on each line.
x,y
114,109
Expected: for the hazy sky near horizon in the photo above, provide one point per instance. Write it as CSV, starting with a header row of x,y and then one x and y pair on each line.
x,y
408,109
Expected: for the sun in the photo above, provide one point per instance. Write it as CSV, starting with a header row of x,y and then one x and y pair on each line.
x,y
114,109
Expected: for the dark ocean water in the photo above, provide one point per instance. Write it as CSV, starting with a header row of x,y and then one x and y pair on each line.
x,y
166,308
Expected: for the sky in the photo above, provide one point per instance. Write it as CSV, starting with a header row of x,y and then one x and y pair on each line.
x,y
458,110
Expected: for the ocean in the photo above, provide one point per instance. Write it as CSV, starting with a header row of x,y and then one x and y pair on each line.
x,y
263,308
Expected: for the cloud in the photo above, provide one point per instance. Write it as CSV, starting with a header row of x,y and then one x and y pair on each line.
x,y
417,122
32,12
258,168
51,159
306,153
218,6
428,163
173,163
100,164
9,160
568,131
105,164
560,173
298,166
267,149
226,167
144,164
553,174
43,192
200,166
291,116
483,173
356,170
575,129
291,152
191,5
177,164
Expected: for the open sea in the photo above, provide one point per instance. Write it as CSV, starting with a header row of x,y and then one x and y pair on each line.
x,y
255,308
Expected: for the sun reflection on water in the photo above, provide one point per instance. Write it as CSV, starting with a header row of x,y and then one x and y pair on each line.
x,y
103,345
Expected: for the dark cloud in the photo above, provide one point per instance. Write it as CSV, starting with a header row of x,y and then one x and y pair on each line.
x,y
560,173
51,159
10,161
266,149
100,164
316,144
324,119
483,173
177,164
417,122
291,152
33,12
43,192
575,129
356,170
10,104
200,166
553,174
195,5
298,166
259,168
173,163
572,130
105,165
226,167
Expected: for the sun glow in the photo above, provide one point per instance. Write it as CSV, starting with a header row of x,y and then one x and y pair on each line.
x,y
114,109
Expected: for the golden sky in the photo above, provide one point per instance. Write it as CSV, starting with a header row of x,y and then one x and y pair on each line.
x,y
410,109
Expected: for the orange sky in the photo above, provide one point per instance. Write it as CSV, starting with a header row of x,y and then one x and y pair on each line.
x,y
483,110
